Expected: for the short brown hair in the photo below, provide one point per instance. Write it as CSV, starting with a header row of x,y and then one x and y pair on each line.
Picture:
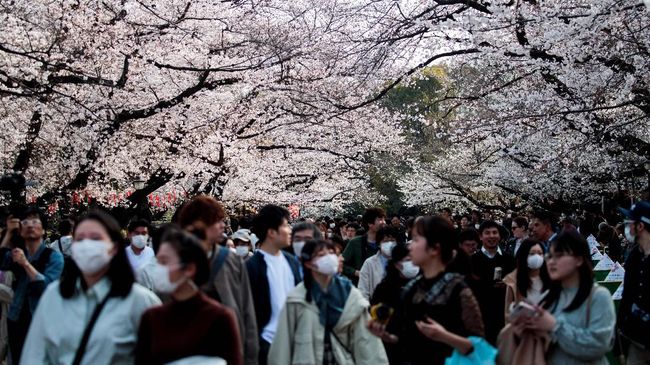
x,y
201,208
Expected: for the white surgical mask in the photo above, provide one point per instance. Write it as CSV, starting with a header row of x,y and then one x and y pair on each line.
x,y
140,241
242,251
328,264
161,282
535,261
91,256
297,247
409,270
387,248
628,234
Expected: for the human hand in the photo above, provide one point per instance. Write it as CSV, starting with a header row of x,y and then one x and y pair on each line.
x,y
542,321
378,329
432,329
18,255
13,224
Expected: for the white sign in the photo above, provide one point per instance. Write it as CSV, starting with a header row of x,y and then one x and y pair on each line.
x,y
617,273
596,255
592,242
618,294
606,264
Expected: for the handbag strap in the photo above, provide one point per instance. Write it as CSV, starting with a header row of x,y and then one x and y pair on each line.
x,y
81,350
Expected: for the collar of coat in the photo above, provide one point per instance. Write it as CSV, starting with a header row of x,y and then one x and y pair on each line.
x,y
355,305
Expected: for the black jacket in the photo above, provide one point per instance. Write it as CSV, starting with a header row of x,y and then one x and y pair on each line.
x,y
634,310
256,266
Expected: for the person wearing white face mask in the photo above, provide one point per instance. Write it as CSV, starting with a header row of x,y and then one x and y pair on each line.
x,y
139,252
243,243
374,269
399,272
191,324
324,318
530,280
90,316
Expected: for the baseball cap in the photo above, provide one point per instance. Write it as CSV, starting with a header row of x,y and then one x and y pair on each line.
x,y
639,212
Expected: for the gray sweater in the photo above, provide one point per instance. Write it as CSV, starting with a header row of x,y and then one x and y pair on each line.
x,y
574,341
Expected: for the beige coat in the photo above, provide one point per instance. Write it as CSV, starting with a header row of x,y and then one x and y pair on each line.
x,y
234,290
299,339
371,274
512,293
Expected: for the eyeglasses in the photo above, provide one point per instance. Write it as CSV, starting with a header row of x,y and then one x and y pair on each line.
x,y
555,256
30,221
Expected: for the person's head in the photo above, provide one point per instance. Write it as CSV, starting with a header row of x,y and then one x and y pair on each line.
x,y
466,222
386,239
319,258
434,239
138,227
206,214
229,243
322,227
446,213
138,234
569,264
303,232
490,234
637,223
351,230
271,226
98,251
396,222
520,227
530,259
541,226
469,241
373,219
33,224
243,242
181,262
400,264
65,227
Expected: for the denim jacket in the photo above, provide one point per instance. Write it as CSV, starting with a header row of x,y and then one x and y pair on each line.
x,y
26,289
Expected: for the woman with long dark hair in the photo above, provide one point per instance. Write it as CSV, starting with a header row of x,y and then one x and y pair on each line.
x,y
399,271
438,311
324,318
530,280
90,316
578,314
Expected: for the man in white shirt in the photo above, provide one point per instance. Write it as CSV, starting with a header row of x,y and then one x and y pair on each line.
x,y
138,252
273,272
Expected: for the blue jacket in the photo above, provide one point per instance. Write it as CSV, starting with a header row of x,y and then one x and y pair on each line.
x,y
26,290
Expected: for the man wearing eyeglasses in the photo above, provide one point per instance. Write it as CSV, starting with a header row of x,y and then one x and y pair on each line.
x,y
34,267
634,312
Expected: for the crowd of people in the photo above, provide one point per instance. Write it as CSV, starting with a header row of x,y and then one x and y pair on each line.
x,y
269,289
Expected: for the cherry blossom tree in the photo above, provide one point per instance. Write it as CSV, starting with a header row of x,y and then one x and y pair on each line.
x,y
554,104
245,100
